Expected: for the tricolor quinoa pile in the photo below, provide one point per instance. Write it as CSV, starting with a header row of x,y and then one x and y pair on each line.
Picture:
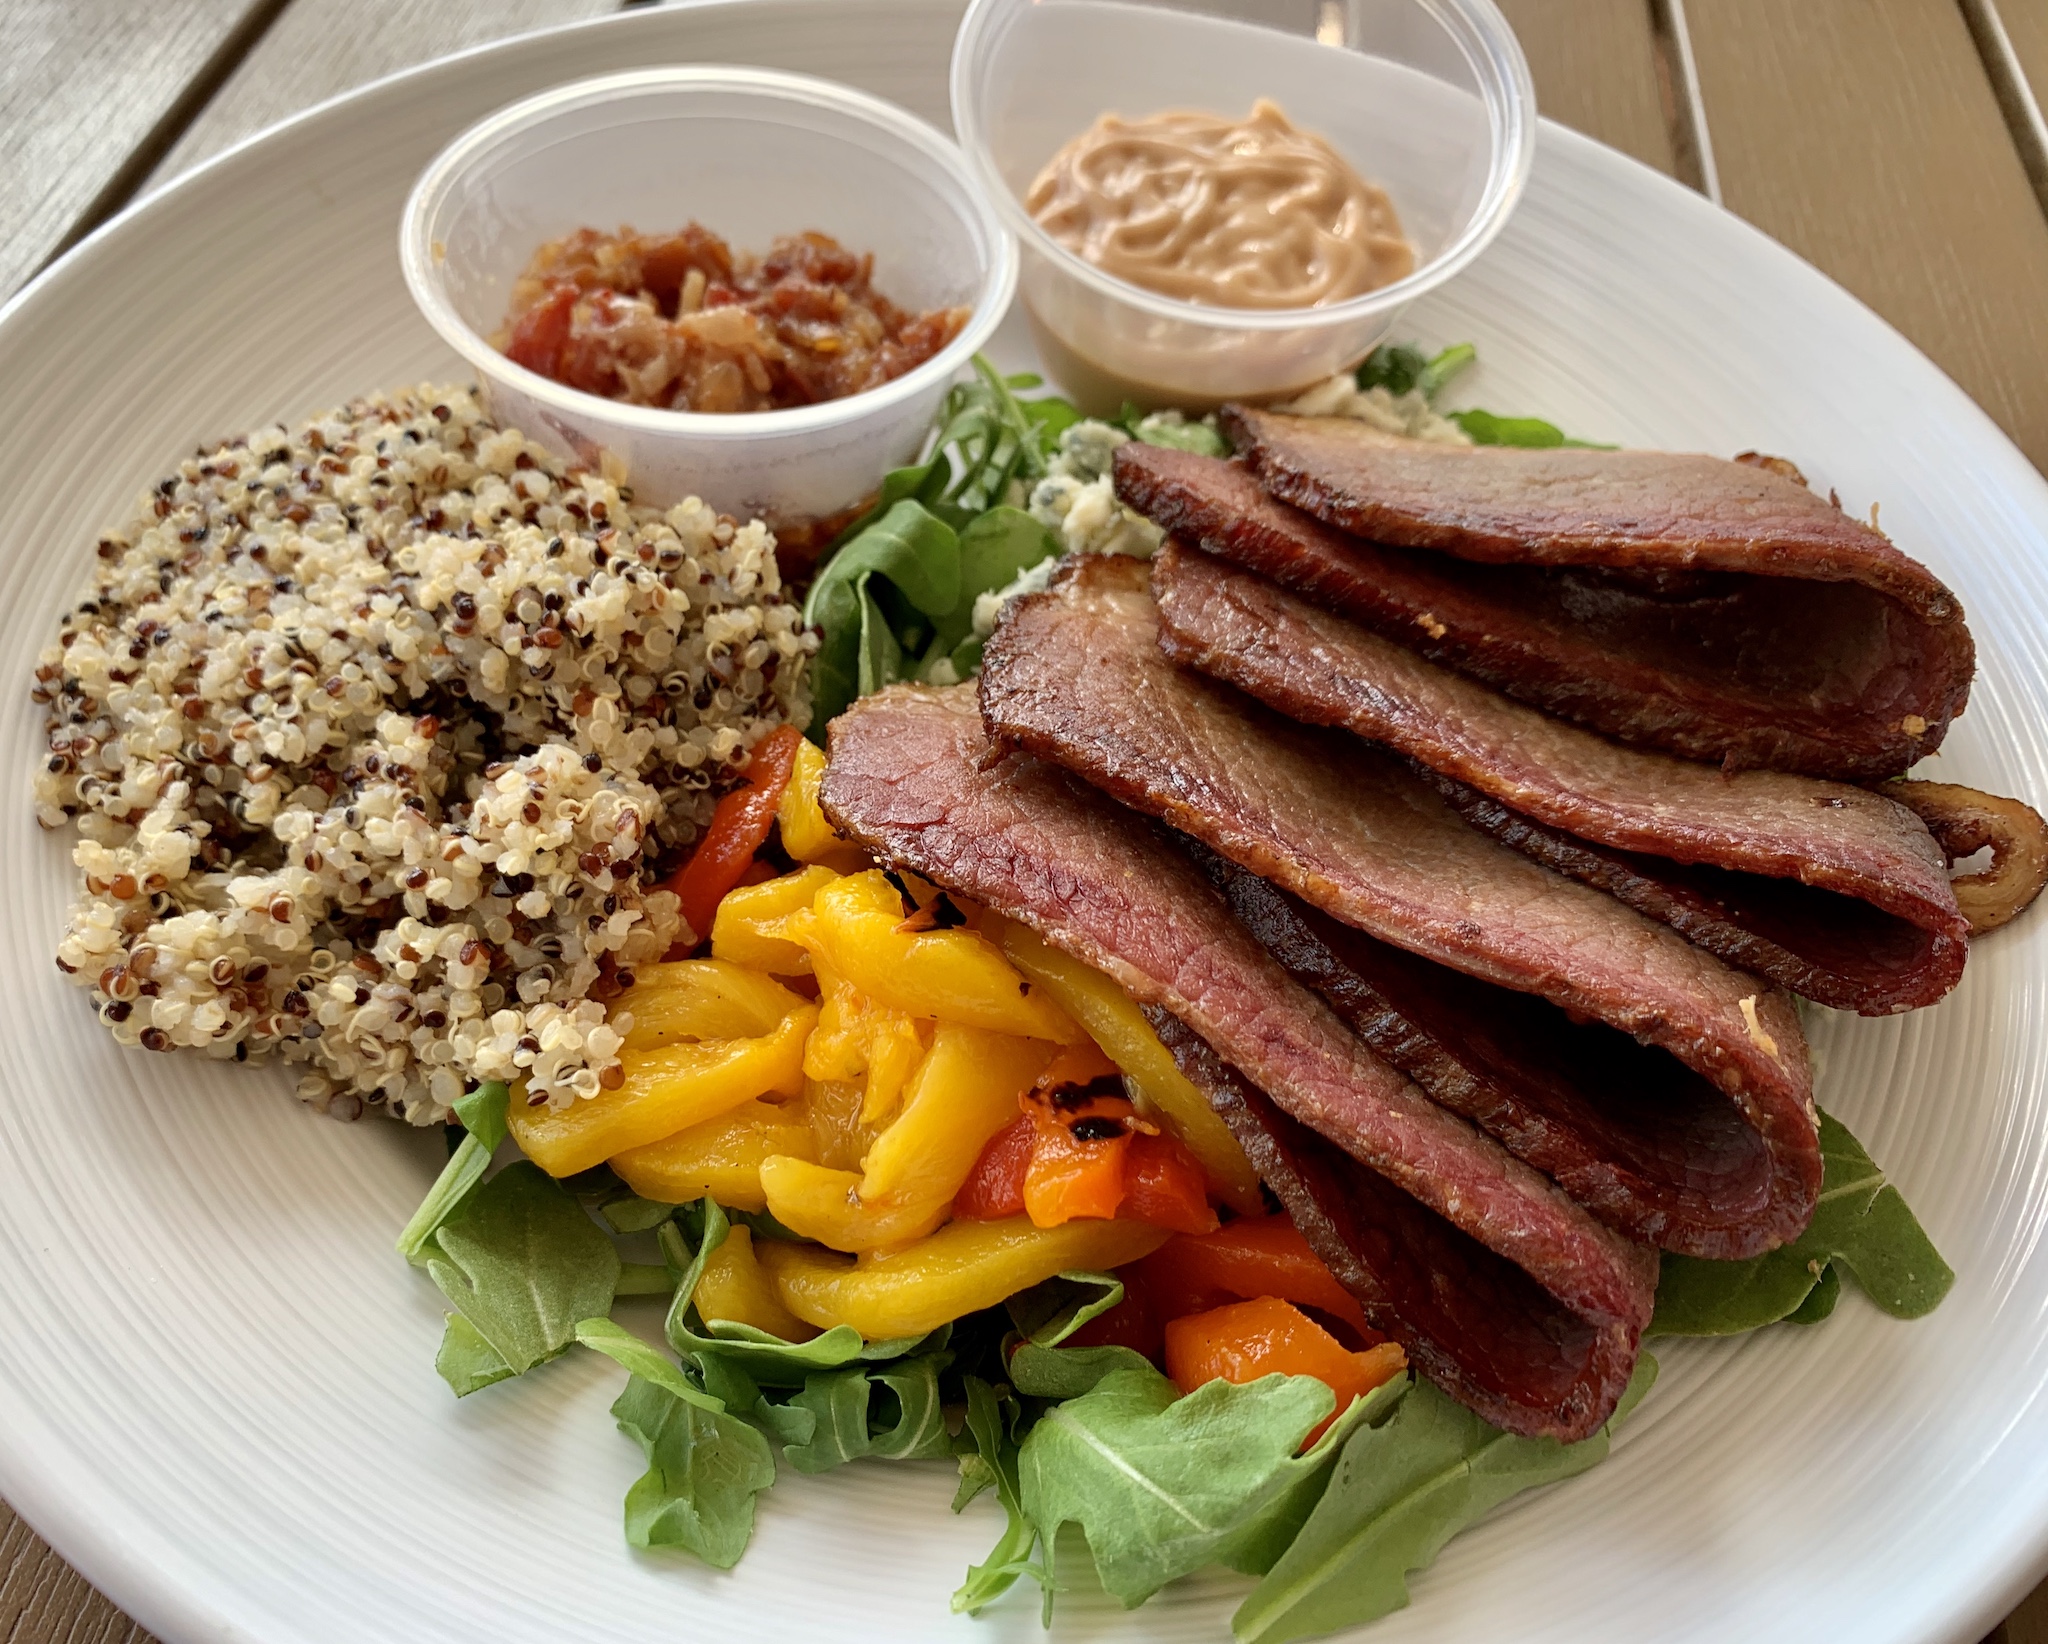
x,y
374,729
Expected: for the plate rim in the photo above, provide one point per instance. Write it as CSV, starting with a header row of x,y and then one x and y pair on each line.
x,y
33,1477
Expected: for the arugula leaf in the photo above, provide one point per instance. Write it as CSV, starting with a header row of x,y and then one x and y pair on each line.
x,y
988,1460
1162,1484
1531,433
1400,369
1441,369
1172,430
523,1263
1049,417
924,482
1393,366
633,1214
910,1426
881,653
919,554
1860,1223
644,1279
466,1361
852,1398
1045,1316
766,1358
1399,1492
994,548
741,1395
647,1363
928,547
704,1469
1820,1300
482,1113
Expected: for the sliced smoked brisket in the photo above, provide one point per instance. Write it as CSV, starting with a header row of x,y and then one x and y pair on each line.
x,y
1476,1325
1075,676
912,777
1830,890
1712,609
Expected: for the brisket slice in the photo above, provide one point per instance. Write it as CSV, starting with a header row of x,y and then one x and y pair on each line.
x,y
1768,664
911,777
1476,1325
1829,890
1643,1142
1075,676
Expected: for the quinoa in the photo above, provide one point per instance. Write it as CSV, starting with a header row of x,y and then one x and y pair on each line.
x,y
375,730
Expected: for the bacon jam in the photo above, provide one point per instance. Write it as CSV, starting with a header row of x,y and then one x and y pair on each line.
x,y
683,322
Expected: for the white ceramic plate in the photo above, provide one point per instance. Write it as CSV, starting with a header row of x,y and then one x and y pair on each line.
x,y
216,1385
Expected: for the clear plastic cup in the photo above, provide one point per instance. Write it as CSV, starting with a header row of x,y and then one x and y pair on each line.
x,y
1431,99
751,154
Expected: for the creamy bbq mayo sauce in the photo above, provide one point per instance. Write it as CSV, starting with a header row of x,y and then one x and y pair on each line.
x,y
1249,213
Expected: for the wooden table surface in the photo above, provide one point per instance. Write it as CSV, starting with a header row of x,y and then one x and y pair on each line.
x,y
1897,144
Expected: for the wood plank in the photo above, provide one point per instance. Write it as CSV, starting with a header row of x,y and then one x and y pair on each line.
x,y
44,1601
1865,135
1595,66
2012,38
2029,1623
321,48
82,90
2026,25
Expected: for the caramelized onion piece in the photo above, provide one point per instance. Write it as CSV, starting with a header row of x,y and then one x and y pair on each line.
x,y
1784,467
1965,821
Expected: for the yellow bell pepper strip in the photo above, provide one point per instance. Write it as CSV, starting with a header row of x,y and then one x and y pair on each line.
x,y
966,1089
806,834
858,1038
702,999
1114,1021
720,1158
955,975
833,1107
665,1091
825,1205
734,1288
748,928
963,1267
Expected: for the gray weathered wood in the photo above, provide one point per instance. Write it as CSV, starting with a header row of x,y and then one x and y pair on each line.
x,y
321,48
83,85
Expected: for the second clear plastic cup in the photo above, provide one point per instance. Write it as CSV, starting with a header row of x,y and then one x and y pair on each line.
x,y
1431,99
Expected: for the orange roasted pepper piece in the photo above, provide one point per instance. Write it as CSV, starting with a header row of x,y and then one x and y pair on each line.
x,y
1250,1257
1249,1339
739,828
1081,1130
1081,1150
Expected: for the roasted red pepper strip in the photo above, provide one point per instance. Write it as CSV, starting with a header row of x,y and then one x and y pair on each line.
x,y
739,828
995,1186
1157,1180
1164,1184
